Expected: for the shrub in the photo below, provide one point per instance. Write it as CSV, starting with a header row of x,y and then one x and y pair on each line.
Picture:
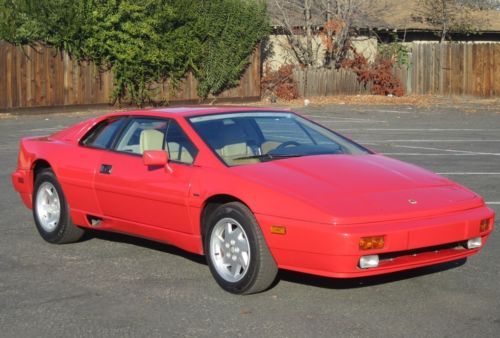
x,y
380,74
280,83
146,41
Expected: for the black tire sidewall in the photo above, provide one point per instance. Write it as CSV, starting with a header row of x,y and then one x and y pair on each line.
x,y
56,235
235,212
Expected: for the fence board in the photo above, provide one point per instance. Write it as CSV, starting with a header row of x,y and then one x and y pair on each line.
x,y
495,72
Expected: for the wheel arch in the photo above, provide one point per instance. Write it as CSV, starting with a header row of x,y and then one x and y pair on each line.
x,y
39,165
209,206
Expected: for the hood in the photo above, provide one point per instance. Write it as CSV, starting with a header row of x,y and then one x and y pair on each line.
x,y
353,189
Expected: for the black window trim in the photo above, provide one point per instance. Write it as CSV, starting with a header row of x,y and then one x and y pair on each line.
x,y
127,120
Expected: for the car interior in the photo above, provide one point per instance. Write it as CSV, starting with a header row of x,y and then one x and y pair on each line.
x,y
143,135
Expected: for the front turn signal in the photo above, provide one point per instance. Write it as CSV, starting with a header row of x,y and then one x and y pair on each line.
x,y
371,243
278,230
484,225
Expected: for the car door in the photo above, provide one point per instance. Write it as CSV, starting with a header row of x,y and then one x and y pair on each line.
x,y
77,166
130,191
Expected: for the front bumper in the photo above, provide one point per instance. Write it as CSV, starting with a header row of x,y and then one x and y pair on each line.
x,y
333,250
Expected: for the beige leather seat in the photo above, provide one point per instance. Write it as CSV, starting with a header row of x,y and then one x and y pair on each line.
x,y
151,139
267,146
234,146
177,152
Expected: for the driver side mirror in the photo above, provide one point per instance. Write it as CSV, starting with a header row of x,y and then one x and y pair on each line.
x,y
156,158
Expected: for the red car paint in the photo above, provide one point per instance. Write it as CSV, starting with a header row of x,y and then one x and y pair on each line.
x,y
326,202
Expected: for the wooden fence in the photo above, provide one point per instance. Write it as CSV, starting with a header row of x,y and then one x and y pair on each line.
x,y
440,69
323,82
454,69
40,77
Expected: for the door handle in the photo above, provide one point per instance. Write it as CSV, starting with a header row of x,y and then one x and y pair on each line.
x,y
106,169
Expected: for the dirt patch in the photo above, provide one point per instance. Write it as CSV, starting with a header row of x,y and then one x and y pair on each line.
x,y
466,104
411,100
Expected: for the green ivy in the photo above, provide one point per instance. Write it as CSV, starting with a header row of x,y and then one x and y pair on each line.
x,y
229,30
145,41
397,51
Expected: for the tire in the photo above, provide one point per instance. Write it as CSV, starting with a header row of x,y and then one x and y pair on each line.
x,y
236,251
51,211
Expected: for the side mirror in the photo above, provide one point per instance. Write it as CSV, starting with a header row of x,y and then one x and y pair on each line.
x,y
155,158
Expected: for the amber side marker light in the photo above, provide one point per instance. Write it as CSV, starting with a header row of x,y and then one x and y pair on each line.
x,y
278,230
484,225
371,243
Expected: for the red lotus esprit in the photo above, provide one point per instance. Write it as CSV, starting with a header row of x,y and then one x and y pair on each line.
x,y
253,189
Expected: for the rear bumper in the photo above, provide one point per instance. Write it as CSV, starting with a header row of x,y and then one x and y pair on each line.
x,y
333,251
22,184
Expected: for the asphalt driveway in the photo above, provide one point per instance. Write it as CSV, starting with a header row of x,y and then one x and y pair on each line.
x,y
114,285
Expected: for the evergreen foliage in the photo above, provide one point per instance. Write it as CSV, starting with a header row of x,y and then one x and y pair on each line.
x,y
145,41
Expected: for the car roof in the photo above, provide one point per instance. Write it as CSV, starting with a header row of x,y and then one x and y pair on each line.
x,y
187,111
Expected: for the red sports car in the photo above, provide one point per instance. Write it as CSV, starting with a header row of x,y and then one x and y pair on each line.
x,y
252,189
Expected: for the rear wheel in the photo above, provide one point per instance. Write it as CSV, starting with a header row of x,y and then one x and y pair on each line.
x,y
236,251
51,211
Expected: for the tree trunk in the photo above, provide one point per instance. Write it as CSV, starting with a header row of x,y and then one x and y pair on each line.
x,y
307,12
444,15
329,34
306,71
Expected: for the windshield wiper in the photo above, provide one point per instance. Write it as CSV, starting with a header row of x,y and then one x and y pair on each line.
x,y
266,157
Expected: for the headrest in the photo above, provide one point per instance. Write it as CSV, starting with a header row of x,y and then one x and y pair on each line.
x,y
151,139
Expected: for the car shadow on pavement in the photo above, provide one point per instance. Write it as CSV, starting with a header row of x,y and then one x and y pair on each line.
x,y
284,275
352,283
144,243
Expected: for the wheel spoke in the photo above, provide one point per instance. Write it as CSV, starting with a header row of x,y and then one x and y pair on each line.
x,y
229,230
237,233
219,240
242,261
242,245
226,261
49,191
235,269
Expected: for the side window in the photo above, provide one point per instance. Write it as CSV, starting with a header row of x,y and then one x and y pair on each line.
x,y
102,135
180,148
142,134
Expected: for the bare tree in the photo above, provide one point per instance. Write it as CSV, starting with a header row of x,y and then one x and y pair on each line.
x,y
295,19
307,24
448,16
301,19
340,16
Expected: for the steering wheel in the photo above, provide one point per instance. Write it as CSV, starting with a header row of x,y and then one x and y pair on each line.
x,y
288,144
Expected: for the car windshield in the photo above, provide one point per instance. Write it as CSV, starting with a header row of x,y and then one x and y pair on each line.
x,y
250,137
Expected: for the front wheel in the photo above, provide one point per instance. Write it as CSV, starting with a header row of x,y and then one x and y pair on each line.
x,y
51,211
236,251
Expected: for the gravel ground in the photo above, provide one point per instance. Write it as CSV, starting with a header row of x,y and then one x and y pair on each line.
x,y
114,285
